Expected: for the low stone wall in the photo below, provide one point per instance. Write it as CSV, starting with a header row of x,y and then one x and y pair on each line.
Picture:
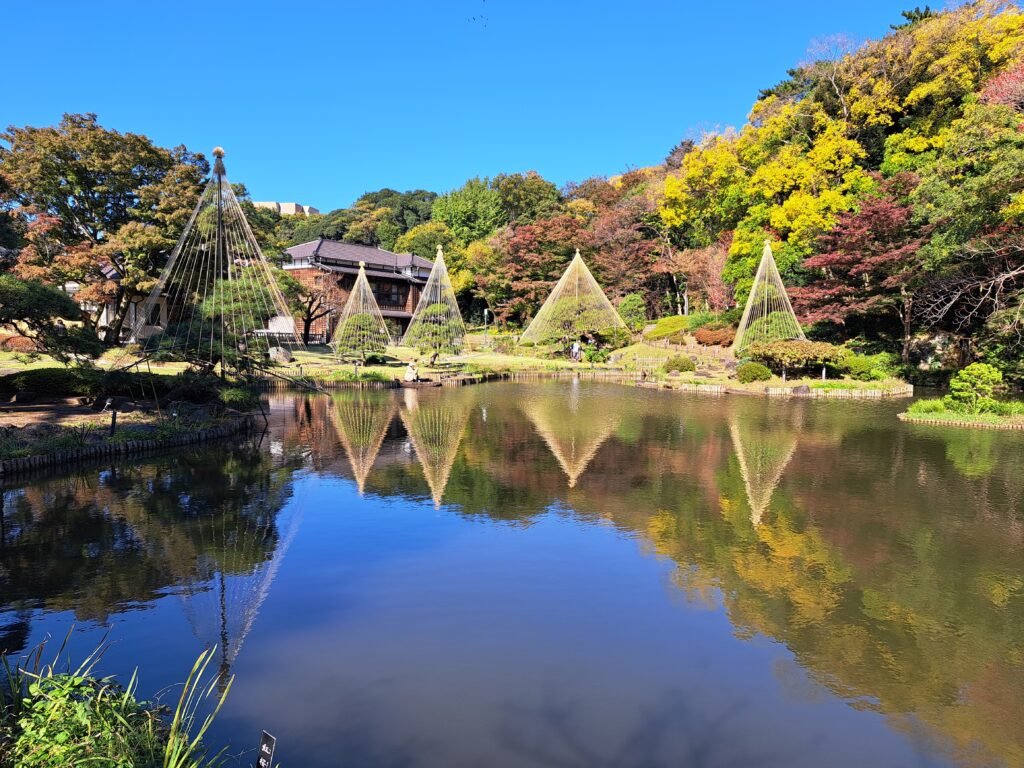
x,y
909,419
591,375
28,464
907,390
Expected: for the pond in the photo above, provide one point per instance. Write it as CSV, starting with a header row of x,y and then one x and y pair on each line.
x,y
555,574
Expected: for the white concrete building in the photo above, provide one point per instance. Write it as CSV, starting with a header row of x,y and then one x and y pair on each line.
x,y
288,209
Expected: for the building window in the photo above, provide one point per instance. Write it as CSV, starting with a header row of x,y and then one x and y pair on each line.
x,y
389,294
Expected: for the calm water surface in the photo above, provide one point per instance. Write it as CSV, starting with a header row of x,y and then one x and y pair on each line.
x,y
560,574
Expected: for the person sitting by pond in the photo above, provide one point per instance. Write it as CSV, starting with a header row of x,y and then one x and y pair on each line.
x,y
412,372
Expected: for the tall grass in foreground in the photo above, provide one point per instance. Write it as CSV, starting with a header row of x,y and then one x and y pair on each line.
x,y
54,715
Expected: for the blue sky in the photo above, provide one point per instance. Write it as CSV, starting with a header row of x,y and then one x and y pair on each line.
x,y
318,102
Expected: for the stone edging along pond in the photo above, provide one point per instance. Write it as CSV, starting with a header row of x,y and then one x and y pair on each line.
x,y
127,448
957,423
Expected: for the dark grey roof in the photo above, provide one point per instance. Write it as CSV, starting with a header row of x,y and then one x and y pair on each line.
x,y
335,250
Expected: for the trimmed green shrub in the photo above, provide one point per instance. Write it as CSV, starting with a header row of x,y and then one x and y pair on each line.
x,y
868,367
633,311
703,318
920,407
680,363
596,355
971,390
749,372
668,326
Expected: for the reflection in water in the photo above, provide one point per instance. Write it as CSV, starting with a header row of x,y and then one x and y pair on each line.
x,y
436,422
574,428
362,421
232,582
100,543
763,454
885,559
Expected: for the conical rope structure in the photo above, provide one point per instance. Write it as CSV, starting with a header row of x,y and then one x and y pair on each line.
x,y
577,306
436,423
573,429
436,326
768,315
763,456
361,330
217,301
362,420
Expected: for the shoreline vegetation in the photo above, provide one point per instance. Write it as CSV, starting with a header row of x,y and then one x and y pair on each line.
x,y
52,713
50,416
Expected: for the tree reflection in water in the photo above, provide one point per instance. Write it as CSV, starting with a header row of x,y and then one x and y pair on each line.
x,y
104,542
885,557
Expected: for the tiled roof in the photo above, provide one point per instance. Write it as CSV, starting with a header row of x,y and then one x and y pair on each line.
x,y
335,250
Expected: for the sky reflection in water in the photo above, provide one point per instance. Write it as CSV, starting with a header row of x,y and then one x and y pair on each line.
x,y
557,574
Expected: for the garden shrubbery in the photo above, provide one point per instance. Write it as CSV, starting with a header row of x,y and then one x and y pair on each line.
x,y
796,354
971,393
972,389
79,381
750,372
239,398
868,367
923,407
76,718
668,327
678,364
19,344
715,334
633,311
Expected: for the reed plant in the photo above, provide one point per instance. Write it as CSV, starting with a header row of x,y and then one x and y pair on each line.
x,y
55,714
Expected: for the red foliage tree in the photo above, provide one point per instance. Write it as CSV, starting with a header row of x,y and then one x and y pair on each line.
x,y
868,262
625,252
1007,88
530,260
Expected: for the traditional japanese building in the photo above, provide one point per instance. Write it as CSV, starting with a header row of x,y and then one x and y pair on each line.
x,y
331,266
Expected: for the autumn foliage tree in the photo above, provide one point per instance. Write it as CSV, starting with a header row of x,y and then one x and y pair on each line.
x,y
868,263
103,207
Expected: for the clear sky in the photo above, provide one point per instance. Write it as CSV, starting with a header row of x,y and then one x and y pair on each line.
x,y
318,102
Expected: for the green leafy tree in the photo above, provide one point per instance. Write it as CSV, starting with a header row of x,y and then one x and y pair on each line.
x,y
32,309
95,182
526,197
423,240
471,212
